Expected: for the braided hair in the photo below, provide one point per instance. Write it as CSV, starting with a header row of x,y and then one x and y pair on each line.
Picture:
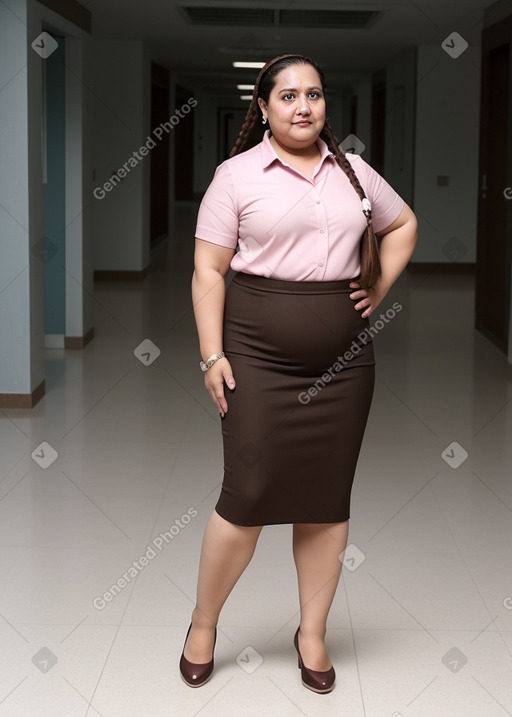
x,y
252,132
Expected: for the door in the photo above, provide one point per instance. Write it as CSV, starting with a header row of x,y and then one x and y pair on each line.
x,y
184,149
230,123
378,122
494,241
159,155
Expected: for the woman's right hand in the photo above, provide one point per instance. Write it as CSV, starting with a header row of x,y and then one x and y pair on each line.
x,y
214,380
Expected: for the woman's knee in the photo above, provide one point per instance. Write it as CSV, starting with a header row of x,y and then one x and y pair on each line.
x,y
233,530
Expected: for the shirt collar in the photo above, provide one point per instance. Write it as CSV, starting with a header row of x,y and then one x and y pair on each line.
x,y
268,153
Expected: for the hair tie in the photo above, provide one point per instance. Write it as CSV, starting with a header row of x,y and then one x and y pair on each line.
x,y
367,209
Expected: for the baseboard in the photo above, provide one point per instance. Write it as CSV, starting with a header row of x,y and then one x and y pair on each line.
x,y
22,400
78,342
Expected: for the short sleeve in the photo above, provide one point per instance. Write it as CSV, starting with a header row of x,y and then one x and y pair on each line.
x,y
217,219
386,203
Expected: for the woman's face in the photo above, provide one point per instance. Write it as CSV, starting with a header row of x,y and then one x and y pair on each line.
x,y
296,106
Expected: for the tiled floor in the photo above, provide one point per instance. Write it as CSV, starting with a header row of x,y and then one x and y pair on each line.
x,y
421,625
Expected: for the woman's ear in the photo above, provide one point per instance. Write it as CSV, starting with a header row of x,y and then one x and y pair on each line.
x,y
262,105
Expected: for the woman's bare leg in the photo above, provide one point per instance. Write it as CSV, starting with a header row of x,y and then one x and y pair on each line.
x,y
316,550
225,553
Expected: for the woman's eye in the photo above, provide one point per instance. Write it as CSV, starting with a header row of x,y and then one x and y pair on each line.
x,y
290,95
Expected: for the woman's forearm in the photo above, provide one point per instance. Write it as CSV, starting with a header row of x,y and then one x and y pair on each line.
x,y
396,250
208,295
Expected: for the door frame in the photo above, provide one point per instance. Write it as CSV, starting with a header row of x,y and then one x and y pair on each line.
x,y
493,37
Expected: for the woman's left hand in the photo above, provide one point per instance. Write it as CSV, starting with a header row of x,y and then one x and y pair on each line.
x,y
367,299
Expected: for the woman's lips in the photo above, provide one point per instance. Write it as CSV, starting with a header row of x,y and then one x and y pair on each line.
x,y
303,123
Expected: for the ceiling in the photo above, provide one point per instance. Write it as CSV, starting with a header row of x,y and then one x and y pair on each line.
x,y
207,51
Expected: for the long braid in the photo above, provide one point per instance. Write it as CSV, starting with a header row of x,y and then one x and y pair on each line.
x,y
247,127
370,259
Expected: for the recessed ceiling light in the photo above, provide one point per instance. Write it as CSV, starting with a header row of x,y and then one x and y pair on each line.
x,y
249,64
245,87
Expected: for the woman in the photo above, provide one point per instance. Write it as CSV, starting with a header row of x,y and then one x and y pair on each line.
x,y
288,339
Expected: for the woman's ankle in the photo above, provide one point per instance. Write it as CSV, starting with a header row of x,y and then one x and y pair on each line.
x,y
199,619
312,631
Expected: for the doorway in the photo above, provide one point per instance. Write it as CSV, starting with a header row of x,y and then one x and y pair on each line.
x,y
53,243
378,131
229,124
494,238
184,149
159,181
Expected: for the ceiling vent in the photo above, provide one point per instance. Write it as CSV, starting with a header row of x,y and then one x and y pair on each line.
x,y
243,16
347,19
209,15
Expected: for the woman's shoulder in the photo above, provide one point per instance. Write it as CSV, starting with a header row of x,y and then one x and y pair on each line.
x,y
354,159
359,165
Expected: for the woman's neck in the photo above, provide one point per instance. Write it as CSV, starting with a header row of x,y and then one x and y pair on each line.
x,y
312,151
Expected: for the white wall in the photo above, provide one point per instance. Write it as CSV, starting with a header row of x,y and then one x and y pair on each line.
x,y
446,143
34,88
22,366
122,115
79,266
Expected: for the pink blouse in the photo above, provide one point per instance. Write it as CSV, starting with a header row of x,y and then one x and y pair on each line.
x,y
287,226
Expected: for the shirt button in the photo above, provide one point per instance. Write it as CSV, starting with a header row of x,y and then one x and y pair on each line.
x,y
318,201
320,263
321,231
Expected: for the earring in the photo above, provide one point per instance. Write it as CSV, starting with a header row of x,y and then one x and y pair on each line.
x,y
263,121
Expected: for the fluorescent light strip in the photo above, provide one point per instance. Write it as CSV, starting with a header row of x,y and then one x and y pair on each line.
x,y
249,64
246,97
245,87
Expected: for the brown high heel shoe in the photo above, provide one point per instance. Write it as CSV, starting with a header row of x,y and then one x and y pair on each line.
x,y
313,679
196,674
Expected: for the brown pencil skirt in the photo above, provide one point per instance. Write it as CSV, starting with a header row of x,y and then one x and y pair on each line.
x,y
303,362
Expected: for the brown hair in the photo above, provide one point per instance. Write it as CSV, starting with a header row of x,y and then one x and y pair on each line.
x,y
370,260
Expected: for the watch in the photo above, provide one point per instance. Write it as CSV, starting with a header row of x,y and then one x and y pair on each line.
x,y
211,361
